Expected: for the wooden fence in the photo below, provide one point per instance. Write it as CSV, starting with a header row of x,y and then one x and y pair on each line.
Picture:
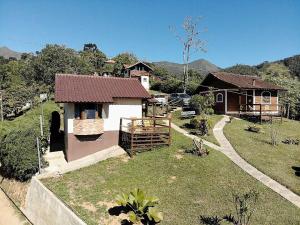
x,y
262,111
142,134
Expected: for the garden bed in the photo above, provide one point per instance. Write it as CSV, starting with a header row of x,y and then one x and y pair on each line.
x,y
176,118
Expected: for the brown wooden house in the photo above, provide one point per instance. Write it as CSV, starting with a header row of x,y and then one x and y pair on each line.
x,y
242,94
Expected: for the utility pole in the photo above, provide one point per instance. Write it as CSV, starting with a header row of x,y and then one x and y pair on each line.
x,y
1,106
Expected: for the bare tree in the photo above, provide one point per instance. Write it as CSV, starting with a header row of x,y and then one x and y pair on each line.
x,y
191,41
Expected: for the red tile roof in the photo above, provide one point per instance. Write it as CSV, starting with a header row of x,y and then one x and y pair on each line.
x,y
85,88
245,81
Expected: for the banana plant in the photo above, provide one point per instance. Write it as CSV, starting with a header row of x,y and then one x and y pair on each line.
x,y
141,207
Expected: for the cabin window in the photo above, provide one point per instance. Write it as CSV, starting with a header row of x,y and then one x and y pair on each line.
x,y
88,111
266,97
219,98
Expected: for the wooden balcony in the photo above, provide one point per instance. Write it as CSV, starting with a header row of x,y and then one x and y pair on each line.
x,y
88,126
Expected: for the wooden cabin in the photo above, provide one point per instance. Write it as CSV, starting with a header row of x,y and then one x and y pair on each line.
x,y
237,94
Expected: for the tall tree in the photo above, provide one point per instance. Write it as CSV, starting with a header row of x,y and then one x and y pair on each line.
x,y
191,41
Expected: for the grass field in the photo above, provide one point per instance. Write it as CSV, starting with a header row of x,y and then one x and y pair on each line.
x,y
279,162
187,186
213,118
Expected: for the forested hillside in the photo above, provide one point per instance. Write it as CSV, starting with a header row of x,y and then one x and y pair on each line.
x,y
21,81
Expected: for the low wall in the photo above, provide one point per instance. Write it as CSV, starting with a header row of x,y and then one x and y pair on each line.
x,y
44,208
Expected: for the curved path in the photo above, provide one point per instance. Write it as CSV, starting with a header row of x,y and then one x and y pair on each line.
x,y
229,151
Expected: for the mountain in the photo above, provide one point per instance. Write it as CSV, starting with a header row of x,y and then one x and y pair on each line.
x,y
201,65
7,53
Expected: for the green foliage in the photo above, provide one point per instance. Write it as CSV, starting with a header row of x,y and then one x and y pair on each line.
x,y
203,103
242,69
244,206
280,75
126,58
140,206
18,154
293,63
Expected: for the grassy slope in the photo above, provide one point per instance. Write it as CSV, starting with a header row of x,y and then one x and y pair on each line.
x,y
30,117
187,187
213,118
276,161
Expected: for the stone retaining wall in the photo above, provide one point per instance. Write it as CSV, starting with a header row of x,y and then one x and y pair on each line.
x,y
42,207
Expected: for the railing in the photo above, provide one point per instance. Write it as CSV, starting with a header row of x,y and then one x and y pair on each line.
x,y
261,110
88,126
140,134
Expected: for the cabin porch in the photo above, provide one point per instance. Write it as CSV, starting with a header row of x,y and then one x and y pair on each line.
x,y
142,134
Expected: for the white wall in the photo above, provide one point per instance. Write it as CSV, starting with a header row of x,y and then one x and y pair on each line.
x,y
68,117
112,112
122,108
146,82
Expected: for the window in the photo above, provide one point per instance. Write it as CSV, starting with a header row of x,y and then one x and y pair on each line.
x,y
88,111
145,79
219,97
266,97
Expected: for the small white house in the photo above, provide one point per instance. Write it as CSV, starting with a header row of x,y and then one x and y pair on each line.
x,y
93,107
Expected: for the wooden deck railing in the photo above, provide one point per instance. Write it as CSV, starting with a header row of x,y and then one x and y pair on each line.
x,y
140,134
261,110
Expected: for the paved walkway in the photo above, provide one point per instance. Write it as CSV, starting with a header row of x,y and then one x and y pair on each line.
x,y
229,151
8,214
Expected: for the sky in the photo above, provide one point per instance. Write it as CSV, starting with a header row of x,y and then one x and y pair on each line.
x,y
238,31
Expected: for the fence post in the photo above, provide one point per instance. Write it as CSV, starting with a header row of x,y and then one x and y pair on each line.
x,y
170,122
260,113
39,153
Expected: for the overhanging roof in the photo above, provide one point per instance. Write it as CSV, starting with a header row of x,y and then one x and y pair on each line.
x,y
86,88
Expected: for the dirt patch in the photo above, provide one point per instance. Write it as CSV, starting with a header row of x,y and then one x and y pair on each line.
x,y
125,158
89,206
114,220
178,156
15,189
172,179
107,205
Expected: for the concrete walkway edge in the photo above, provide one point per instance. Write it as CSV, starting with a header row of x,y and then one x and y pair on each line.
x,y
227,149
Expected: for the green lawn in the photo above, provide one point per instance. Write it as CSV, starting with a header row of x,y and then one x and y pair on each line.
x,y
277,162
187,186
213,118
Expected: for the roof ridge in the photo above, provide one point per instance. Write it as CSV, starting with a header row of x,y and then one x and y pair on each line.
x,y
93,76
236,74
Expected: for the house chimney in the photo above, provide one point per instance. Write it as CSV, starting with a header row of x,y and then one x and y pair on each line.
x,y
253,82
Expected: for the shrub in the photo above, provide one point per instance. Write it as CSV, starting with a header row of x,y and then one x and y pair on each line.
x,y
202,103
244,206
254,128
141,207
198,149
18,154
194,123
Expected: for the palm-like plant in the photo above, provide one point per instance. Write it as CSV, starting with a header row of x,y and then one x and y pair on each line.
x,y
141,207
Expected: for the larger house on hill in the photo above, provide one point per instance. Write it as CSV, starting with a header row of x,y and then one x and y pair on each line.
x,y
93,106
242,94
139,70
